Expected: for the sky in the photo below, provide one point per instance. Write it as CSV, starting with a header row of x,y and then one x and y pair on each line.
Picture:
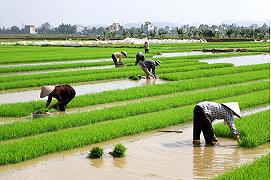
x,y
93,12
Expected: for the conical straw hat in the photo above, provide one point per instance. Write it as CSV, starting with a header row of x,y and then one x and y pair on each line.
x,y
234,106
46,90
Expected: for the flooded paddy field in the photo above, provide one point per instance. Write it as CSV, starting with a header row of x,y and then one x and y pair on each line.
x,y
110,109
155,155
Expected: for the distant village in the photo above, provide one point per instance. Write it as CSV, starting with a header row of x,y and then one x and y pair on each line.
x,y
147,29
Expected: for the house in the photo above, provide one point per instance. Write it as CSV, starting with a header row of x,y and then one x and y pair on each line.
x,y
148,26
30,29
114,27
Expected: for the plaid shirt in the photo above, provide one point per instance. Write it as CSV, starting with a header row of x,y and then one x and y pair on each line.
x,y
215,111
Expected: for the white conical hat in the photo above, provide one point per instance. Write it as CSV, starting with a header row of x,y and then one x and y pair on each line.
x,y
234,106
46,90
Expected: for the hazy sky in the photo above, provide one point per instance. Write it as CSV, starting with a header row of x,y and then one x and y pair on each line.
x,y
87,12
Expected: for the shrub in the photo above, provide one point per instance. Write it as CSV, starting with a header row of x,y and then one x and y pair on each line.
x,y
96,152
119,151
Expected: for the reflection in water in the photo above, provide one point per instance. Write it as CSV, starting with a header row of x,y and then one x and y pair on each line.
x,y
97,163
119,162
176,54
241,60
157,156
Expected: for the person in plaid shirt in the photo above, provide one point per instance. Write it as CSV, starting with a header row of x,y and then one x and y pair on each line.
x,y
206,112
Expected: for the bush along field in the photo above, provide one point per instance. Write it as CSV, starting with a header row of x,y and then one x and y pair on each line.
x,y
128,111
258,169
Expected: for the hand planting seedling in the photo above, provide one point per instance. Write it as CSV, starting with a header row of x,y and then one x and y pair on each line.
x,y
96,152
119,151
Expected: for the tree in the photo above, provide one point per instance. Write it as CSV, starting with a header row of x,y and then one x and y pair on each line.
x,y
180,32
14,30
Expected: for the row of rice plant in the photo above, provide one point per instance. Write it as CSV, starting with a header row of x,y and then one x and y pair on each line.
x,y
14,151
90,72
212,72
72,77
24,109
254,130
258,169
128,61
42,125
22,54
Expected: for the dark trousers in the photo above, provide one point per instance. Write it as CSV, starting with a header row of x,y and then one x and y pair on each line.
x,y
62,106
114,59
201,123
146,50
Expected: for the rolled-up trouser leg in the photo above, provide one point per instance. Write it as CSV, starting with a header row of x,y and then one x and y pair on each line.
x,y
197,122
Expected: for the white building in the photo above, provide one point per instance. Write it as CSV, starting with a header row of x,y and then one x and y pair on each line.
x,y
30,29
148,26
114,27
79,28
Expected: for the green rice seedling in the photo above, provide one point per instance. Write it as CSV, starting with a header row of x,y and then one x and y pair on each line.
x,y
188,66
22,54
56,123
30,147
258,169
254,130
96,153
23,109
212,72
119,151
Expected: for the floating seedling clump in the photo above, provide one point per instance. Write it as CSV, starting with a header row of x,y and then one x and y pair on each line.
x,y
119,151
96,152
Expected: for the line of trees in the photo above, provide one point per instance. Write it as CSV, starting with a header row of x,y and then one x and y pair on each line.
x,y
186,31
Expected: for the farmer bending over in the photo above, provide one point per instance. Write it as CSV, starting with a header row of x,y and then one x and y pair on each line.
x,y
148,66
63,93
206,112
118,56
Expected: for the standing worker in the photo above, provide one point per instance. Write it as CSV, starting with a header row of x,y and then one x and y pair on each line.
x,y
146,47
206,112
63,93
117,58
148,66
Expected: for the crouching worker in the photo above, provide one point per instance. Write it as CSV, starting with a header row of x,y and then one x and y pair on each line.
x,y
148,66
117,58
63,93
206,112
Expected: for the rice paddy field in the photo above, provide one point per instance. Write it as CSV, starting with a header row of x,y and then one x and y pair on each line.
x,y
110,109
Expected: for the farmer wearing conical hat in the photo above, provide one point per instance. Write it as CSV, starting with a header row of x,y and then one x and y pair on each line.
x,y
118,56
63,93
148,66
206,112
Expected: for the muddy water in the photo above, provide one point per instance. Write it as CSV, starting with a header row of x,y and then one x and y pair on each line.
x,y
241,60
149,156
192,53
56,62
31,95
